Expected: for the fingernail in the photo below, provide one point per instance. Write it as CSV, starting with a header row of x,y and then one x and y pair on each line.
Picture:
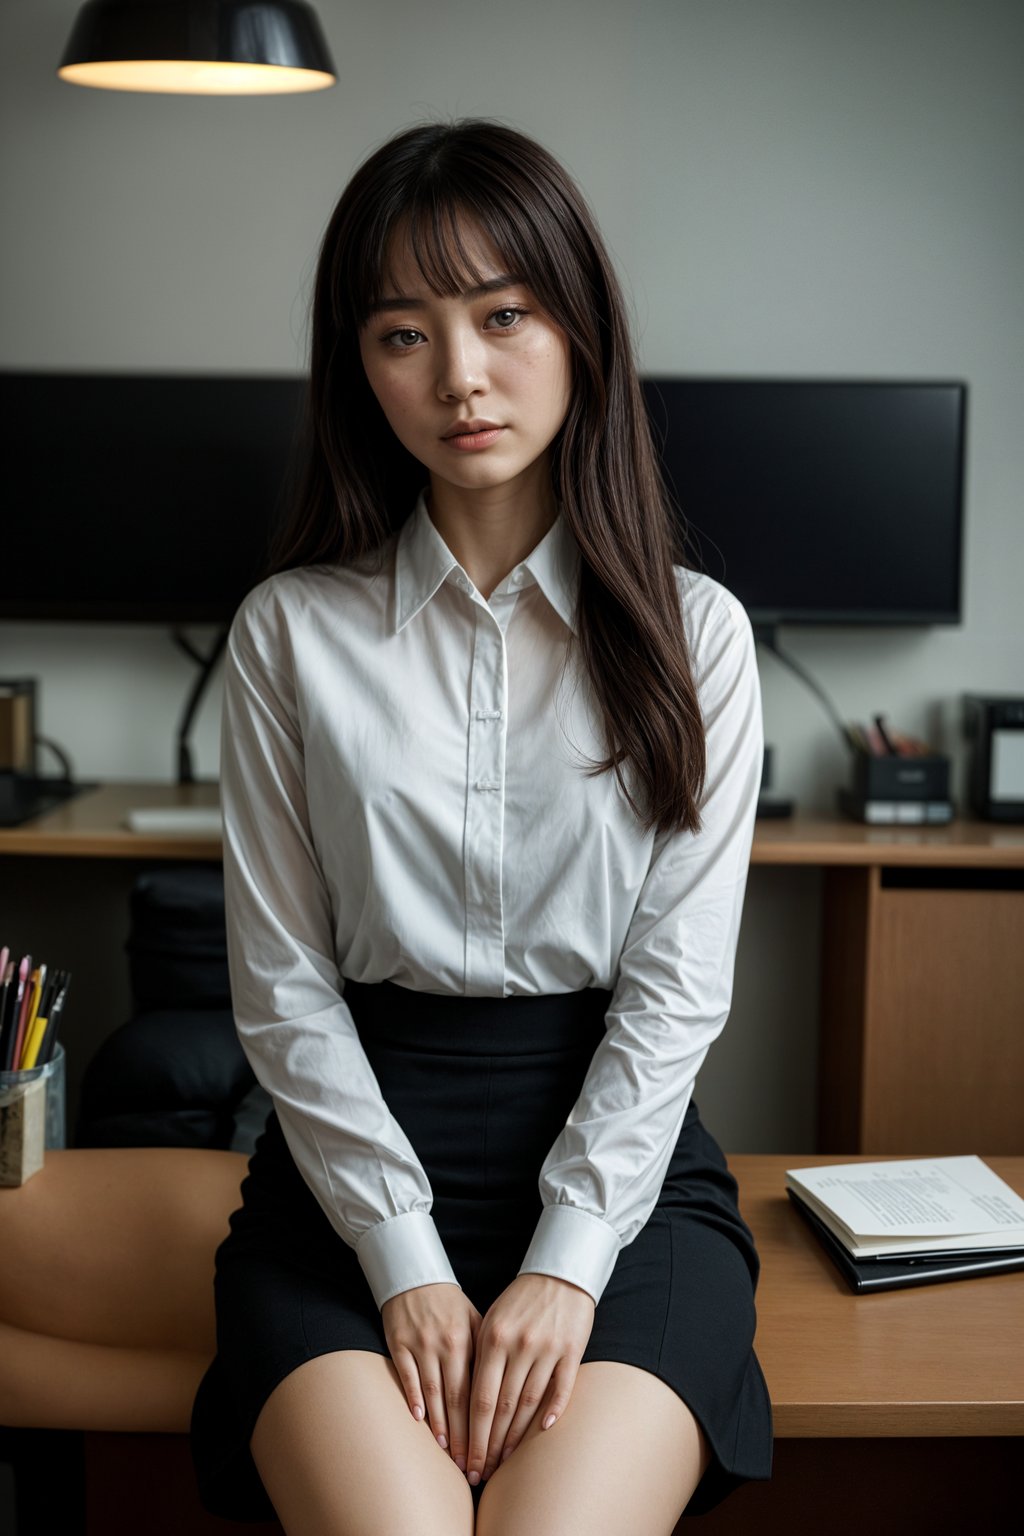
x,y
442,1442
506,1452
417,1412
549,1421
460,1462
474,1477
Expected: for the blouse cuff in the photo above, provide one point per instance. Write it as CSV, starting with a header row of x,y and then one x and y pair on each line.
x,y
403,1252
574,1245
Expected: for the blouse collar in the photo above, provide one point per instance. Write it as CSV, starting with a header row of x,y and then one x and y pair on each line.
x,y
423,562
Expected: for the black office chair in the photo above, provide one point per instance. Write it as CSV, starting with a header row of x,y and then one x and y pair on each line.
x,y
174,1075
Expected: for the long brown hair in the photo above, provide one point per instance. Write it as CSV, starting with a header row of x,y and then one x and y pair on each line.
x,y
358,484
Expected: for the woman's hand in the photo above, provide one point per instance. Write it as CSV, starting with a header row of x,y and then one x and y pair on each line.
x,y
528,1352
431,1332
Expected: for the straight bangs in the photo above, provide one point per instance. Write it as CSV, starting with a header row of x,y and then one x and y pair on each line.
x,y
438,234
442,214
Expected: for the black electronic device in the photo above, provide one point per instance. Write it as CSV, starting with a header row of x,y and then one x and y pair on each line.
x,y
820,501
995,728
23,792
140,498
898,790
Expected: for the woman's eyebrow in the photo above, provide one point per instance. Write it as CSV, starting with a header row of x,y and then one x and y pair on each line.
x,y
479,291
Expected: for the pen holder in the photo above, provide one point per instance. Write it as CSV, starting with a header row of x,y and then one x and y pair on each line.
x,y
32,1118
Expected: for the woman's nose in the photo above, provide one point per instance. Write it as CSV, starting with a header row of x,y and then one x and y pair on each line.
x,y
461,368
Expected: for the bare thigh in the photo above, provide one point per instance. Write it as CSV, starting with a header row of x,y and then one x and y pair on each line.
x,y
623,1460
341,1455
115,1246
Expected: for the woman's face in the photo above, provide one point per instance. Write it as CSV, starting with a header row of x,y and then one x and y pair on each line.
x,y
475,386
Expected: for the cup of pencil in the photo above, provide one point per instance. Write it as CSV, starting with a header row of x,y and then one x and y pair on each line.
x,y
32,1086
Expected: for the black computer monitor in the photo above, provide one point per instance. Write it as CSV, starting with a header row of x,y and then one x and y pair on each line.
x,y
820,501
145,498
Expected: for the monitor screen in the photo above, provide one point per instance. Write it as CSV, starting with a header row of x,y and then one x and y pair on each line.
x,y
140,498
820,502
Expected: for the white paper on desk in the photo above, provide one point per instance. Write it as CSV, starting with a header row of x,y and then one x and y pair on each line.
x,y
174,820
950,1201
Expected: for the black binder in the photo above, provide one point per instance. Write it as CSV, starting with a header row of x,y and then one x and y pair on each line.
x,y
887,1274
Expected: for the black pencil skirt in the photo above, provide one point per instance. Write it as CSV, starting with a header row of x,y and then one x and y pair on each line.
x,y
482,1087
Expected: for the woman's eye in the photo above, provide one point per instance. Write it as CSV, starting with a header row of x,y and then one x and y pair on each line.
x,y
507,319
403,340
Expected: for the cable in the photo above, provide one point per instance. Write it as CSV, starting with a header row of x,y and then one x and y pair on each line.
x,y
766,637
59,753
192,651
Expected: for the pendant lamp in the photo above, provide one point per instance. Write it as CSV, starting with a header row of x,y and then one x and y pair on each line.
x,y
198,47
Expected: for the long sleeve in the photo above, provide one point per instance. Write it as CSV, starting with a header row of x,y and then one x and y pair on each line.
x,y
602,1178
295,1027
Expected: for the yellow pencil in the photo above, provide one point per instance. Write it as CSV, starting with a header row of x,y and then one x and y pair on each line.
x,y
34,1039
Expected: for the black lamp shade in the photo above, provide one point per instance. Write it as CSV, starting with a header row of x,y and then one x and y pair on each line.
x,y
275,34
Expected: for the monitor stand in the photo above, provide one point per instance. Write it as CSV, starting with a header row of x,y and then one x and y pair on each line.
x,y
206,664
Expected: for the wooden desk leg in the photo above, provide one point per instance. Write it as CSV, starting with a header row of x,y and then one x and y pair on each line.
x,y
846,968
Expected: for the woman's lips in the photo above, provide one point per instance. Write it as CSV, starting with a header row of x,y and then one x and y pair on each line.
x,y
472,442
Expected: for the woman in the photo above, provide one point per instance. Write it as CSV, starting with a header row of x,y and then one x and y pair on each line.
x,y
489,772
490,762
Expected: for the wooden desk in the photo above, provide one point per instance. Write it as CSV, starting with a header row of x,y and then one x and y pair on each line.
x,y
943,1359
90,826
922,993
846,844
896,1412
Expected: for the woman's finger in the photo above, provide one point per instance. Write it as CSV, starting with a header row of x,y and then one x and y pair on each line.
x,y
405,1364
432,1380
504,1411
563,1380
533,1395
457,1370
483,1403
458,1382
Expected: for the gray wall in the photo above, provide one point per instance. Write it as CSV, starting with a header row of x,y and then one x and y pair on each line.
x,y
789,187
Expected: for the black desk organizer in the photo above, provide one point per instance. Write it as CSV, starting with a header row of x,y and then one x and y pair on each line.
x,y
912,791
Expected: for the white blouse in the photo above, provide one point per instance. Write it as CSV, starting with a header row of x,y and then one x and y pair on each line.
x,y
404,799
